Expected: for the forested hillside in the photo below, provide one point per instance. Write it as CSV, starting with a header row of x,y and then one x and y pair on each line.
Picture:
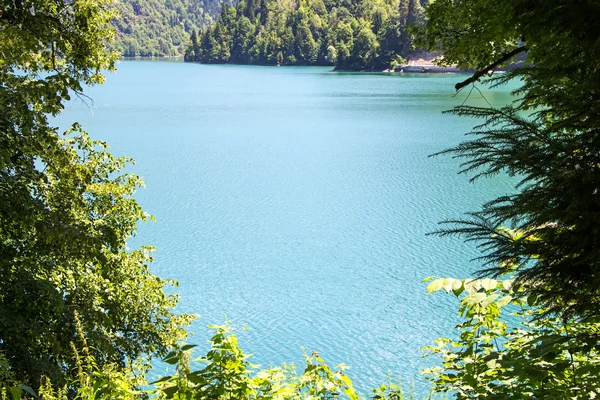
x,y
350,34
160,27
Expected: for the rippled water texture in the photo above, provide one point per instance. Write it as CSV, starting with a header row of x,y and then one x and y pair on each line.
x,y
296,202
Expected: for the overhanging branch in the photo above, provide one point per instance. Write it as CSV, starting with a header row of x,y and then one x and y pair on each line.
x,y
479,73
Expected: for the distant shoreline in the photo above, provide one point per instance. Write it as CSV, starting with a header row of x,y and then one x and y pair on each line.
x,y
424,68
161,58
431,69
416,69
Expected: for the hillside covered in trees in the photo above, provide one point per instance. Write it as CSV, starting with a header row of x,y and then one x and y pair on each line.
x,y
160,27
350,34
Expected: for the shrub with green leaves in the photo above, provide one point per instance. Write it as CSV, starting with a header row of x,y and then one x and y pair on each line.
x,y
228,374
525,354
66,205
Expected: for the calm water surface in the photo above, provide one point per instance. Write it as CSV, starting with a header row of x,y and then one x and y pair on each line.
x,y
296,202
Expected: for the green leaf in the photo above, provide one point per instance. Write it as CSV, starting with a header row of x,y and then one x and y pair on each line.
x,y
196,378
457,287
447,284
489,299
29,390
435,286
472,285
16,392
163,379
488,284
474,298
171,360
504,301
170,391
532,300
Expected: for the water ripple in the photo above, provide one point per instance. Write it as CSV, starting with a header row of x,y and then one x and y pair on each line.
x,y
296,202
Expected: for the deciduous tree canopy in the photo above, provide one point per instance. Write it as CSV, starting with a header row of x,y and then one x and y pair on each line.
x,y
160,27
66,211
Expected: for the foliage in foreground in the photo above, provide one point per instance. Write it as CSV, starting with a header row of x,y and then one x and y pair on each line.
x,y
546,234
507,348
350,34
526,355
227,374
66,206
549,139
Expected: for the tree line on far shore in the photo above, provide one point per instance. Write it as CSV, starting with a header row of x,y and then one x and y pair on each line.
x,y
349,34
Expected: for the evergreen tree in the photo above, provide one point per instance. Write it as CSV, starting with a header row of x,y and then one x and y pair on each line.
x,y
354,35
549,139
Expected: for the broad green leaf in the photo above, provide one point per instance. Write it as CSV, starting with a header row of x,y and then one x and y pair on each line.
x,y
474,298
489,299
472,285
435,285
196,378
29,390
531,300
457,287
447,284
171,360
163,379
170,391
16,392
504,301
488,284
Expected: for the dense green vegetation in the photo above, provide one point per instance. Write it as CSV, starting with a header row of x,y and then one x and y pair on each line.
x,y
81,315
66,210
160,27
545,236
509,347
352,35
550,140
226,374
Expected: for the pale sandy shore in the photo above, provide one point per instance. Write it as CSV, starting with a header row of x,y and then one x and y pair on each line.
x,y
428,68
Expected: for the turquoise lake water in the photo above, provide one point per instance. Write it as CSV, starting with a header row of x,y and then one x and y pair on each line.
x,y
296,201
